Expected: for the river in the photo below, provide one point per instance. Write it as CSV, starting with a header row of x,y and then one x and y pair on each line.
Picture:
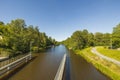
x,y
78,68
45,66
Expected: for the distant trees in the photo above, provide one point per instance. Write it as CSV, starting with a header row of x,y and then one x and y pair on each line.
x,y
1,23
80,40
101,39
116,36
90,39
83,39
17,36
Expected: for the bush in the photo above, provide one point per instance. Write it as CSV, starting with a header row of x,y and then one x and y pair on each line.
x,y
35,49
5,52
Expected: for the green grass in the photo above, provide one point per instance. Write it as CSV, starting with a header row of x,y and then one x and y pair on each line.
x,y
108,68
112,53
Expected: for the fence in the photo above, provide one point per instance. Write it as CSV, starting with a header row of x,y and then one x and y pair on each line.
x,y
11,63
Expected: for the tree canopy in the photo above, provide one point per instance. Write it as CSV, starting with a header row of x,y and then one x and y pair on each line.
x,y
82,39
116,36
17,37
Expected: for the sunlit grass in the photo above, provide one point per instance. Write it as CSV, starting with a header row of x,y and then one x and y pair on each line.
x,y
108,68
112,53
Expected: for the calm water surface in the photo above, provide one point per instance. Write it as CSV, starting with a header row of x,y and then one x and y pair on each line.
x,y
45,66
77,68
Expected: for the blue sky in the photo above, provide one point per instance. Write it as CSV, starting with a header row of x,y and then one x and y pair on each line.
x,y
60,18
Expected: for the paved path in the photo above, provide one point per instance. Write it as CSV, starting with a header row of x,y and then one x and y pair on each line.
x,y
93,50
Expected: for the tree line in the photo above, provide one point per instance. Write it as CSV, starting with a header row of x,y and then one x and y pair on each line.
x,y
83,38
16,37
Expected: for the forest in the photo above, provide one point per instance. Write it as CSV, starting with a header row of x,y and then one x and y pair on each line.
x,y
17,38
81,39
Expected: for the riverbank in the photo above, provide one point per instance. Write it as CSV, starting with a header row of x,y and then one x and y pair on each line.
x,y
77,68
106,67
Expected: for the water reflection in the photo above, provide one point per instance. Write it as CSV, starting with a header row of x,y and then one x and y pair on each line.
x,y
80,69
44,67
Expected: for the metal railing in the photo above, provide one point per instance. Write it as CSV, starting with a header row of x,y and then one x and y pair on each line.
x,y
11,63
8,61
60,71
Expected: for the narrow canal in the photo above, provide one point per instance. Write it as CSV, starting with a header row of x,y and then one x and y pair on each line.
x,y
77,68
45,66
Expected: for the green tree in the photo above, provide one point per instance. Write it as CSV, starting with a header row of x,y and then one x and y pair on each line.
x,y
116,36
17,37
78,40
98,39
106,39
1,23
91,39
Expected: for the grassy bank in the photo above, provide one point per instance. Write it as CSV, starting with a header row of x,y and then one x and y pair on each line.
x,y
108,68
113,53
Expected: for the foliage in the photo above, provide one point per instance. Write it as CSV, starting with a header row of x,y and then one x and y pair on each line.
x,y
116,36
83,39
102,39
17,36
78,40
5,52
